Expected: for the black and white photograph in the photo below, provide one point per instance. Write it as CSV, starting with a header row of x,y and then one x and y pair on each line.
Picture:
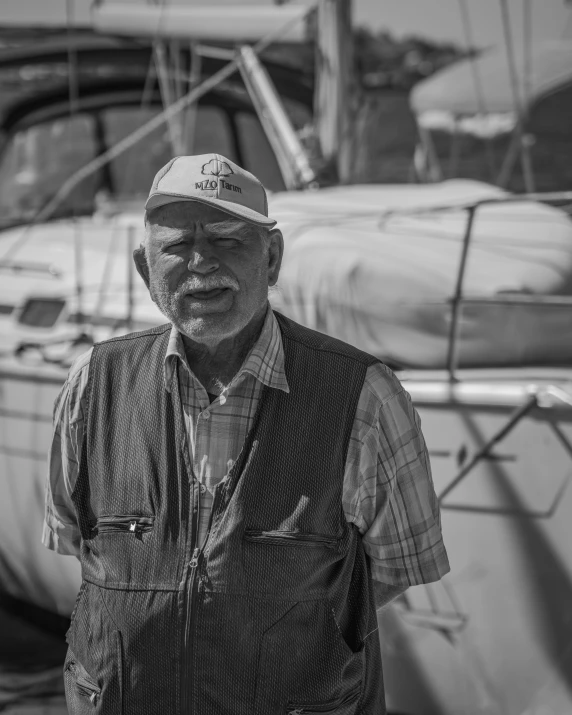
x,y
286,357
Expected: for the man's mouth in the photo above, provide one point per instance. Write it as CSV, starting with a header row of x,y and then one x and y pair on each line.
x,y
207,294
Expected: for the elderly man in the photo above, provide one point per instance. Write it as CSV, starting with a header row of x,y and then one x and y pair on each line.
x,y
242,492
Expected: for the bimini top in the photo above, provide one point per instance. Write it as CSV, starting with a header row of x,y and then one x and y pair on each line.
x,y
449,100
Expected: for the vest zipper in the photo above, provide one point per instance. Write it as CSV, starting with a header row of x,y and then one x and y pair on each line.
x,y
190,612
187,659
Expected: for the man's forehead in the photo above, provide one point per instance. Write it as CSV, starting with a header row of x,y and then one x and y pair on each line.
x,y
185,213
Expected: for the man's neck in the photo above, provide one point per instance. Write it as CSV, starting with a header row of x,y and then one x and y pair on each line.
x,y
216,364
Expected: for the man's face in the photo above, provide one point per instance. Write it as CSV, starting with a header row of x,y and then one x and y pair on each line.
x,y
208,272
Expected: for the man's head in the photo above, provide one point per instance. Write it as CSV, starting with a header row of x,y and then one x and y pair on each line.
x,y
207,260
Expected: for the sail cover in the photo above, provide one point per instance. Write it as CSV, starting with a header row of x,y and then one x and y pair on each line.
x,y
383,281
451,100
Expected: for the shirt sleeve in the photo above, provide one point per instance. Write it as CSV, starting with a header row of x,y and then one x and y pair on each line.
x,y
388,487
61,531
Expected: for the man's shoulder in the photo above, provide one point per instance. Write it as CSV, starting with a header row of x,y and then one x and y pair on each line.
x,y
130,344
381,384
79,369
131,338
320,342
80,366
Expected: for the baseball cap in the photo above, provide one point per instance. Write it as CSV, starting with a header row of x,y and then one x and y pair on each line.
x,y
214,180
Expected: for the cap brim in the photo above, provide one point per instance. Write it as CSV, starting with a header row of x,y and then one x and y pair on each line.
x,y
228,207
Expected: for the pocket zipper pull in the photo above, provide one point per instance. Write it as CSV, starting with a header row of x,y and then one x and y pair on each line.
x,y
133,526
93,698
195,559
298,711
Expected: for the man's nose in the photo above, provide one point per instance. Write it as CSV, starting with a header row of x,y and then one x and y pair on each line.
x,y
202,259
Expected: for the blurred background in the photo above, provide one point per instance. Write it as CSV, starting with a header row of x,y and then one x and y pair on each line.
x,y
418,158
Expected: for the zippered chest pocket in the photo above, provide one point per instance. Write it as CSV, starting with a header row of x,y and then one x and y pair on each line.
x,y
132,524
344,705
290,538
289,562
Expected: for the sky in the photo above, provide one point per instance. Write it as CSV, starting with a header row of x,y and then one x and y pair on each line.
x,y
434,19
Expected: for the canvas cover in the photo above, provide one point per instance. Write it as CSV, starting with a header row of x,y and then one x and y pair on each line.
x,y
383,281
453,89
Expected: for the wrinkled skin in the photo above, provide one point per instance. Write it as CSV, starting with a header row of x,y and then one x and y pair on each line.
x,y
209,275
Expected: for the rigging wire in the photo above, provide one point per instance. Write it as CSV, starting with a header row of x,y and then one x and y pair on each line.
x,y
73,95
527,85
73,92
478,83
146,97
516,98
568,25
527,51
167,83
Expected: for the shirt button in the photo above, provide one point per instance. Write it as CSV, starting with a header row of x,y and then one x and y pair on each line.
x,y
202,488
205,415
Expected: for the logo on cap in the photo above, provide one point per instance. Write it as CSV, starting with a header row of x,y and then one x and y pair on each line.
x,y
216,167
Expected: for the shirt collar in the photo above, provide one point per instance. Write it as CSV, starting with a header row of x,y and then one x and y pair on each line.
x,y
265,361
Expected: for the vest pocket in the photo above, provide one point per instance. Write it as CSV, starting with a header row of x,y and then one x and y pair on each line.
x,y
82,692
344,705
304,663
289,538
88,695
129,524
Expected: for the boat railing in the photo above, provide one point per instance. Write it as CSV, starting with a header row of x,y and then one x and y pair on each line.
x,y
538,397
458,299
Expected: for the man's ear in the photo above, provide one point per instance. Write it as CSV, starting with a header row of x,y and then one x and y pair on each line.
x,y
275,253
141,264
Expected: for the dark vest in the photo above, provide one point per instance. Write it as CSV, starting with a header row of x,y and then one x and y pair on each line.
x,y
276,614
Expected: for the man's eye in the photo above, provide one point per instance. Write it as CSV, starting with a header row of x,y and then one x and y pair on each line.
x,y
226,242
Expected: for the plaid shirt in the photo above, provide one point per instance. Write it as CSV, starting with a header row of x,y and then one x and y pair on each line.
x,y
387,491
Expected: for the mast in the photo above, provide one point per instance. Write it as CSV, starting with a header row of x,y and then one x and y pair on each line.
x,y
334,95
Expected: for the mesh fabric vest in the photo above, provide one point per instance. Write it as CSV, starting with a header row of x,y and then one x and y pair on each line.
x,y
275,614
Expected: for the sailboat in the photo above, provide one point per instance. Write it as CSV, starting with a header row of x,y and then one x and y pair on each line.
x,y
460,286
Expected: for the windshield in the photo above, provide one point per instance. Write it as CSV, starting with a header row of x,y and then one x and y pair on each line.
x,y
36,161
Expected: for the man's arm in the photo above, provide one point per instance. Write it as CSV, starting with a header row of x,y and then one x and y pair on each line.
x,y
61,531
388,489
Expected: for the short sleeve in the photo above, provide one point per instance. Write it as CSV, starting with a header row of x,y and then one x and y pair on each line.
x,y
61,532
388,487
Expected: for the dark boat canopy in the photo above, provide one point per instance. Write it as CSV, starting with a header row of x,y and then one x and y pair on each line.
x,y
451,99
66,98
36,76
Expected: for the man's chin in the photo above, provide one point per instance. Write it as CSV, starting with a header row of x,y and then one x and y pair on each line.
x,y
203,328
